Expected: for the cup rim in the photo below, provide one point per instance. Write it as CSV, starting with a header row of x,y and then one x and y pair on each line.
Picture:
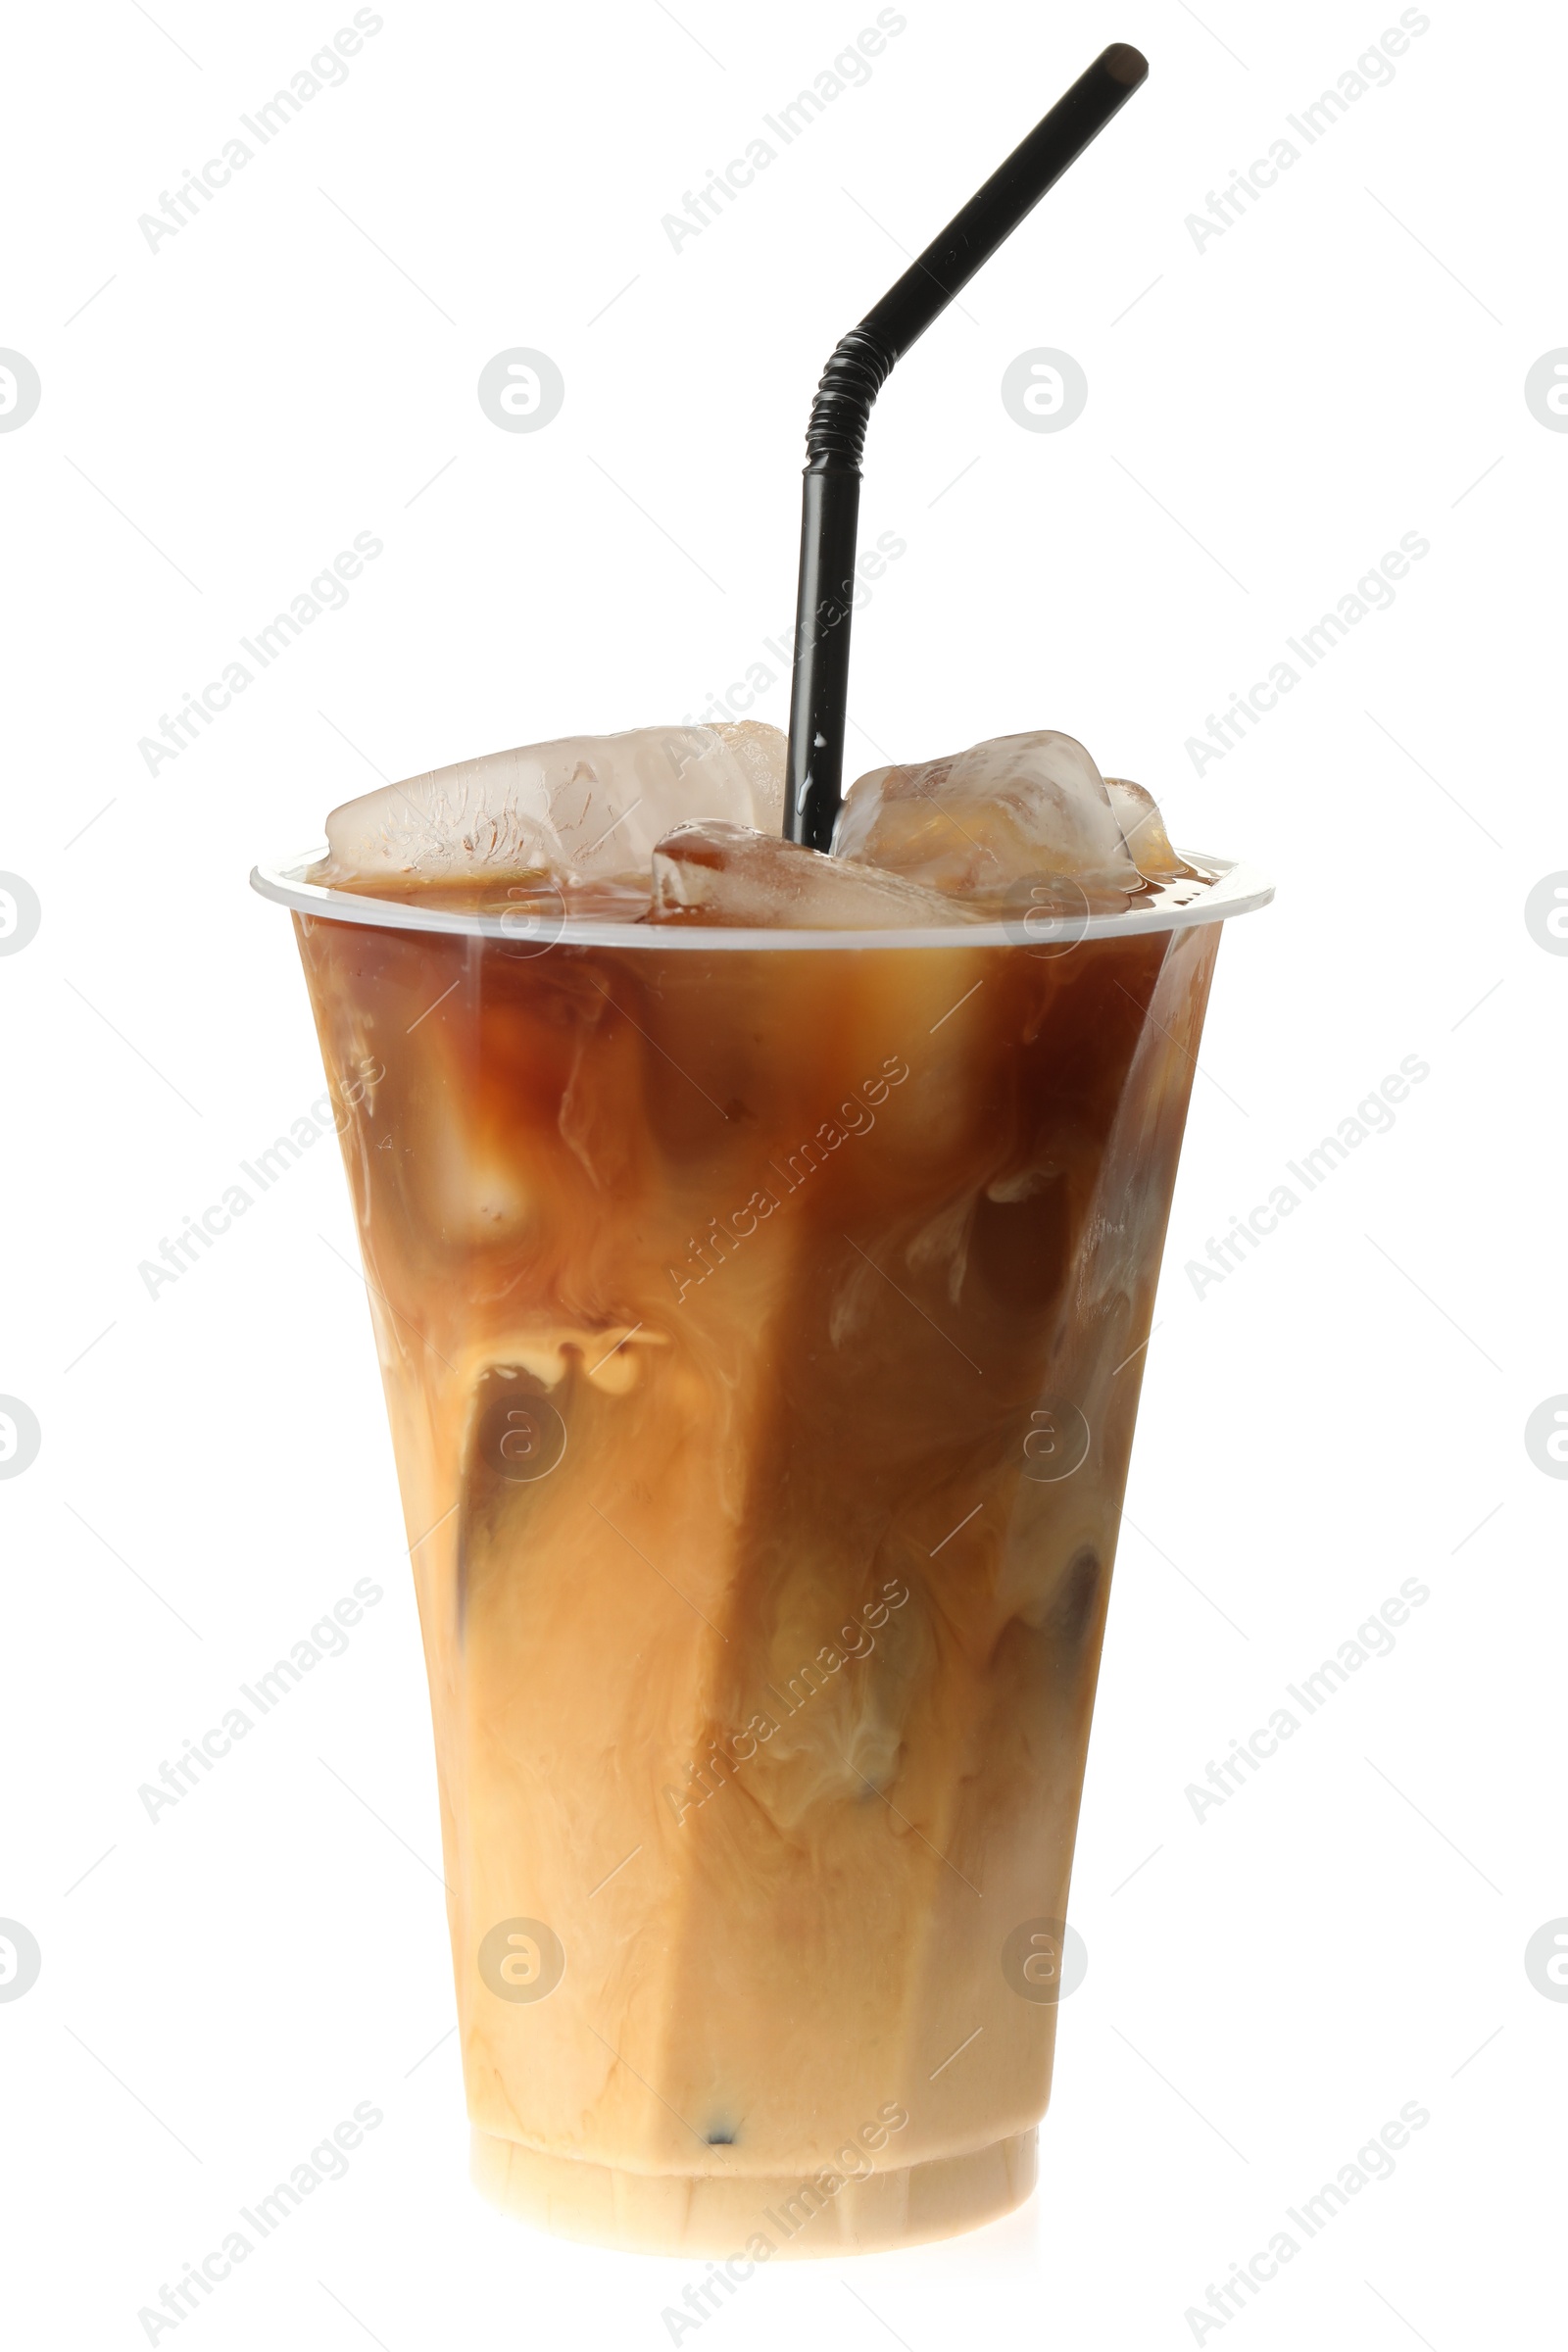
x,y
1237,888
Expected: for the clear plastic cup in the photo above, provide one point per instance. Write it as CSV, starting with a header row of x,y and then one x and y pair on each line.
x,y
760,1314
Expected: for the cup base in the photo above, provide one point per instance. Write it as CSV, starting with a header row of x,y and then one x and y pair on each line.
x,y
679,2213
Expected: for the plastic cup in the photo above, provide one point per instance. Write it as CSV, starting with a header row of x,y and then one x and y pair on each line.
x,y
761,1317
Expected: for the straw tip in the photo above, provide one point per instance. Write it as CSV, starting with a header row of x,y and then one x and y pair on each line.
x,y
1125,65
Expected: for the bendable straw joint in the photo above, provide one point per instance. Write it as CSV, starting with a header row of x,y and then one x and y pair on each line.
x,y
842,408
835,436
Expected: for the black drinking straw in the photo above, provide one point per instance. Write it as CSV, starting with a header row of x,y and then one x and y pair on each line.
x,y
842,408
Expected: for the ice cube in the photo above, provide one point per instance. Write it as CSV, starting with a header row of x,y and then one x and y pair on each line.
x,y
1020,807
1142,829
730,874
585,808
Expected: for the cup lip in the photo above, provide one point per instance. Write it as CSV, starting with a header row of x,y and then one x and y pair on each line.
x,y
1237,888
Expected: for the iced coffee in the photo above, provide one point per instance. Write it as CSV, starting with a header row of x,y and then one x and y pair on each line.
x,y
759,1247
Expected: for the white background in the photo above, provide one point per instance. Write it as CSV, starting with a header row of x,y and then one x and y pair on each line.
x,y
1342,366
